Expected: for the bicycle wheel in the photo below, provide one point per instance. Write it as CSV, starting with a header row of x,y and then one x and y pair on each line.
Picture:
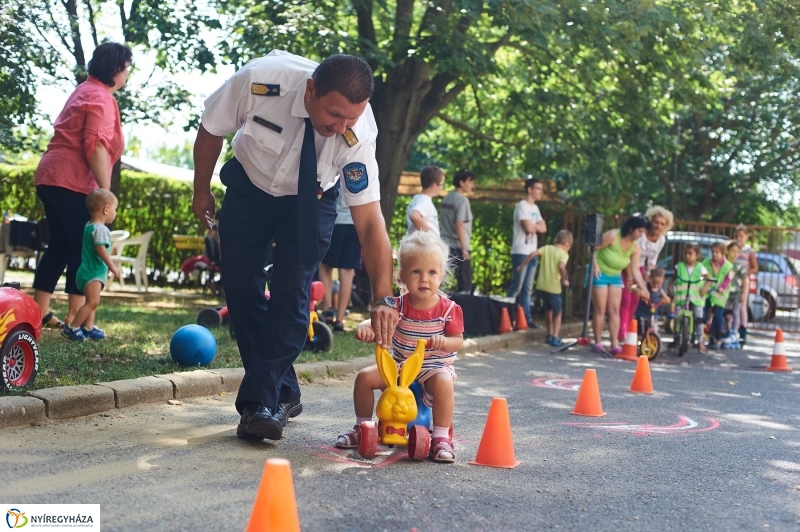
x,y
683,345
650,346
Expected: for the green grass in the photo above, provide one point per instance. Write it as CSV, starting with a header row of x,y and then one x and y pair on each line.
x,y
138,345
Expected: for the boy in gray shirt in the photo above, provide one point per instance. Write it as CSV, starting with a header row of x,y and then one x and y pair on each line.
x,y
455,226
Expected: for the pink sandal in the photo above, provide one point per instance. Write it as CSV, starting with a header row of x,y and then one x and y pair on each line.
x,y
348,440
442,450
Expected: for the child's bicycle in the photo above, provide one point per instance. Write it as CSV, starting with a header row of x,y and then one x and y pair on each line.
x,y
650,344
685,333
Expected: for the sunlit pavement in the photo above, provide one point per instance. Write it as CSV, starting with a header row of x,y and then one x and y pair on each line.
x,y
715,448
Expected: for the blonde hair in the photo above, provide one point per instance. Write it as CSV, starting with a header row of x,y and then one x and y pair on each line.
x,y
563,237
741,228
424,243
658,210
99,198
721,246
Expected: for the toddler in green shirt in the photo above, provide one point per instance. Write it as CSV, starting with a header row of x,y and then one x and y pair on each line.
x,y
552,276
95,264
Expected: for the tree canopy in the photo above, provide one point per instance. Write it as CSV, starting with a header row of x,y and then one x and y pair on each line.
x,y
624,103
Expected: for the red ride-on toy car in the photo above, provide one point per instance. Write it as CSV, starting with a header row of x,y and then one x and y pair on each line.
x,y
20,326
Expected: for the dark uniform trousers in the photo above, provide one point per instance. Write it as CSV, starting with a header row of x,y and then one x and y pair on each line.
x,y
270,332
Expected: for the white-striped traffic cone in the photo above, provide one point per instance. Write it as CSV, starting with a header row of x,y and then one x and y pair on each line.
x,y
778,362
630,351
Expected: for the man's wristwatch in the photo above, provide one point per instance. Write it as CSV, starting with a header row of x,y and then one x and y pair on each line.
x,y
387,301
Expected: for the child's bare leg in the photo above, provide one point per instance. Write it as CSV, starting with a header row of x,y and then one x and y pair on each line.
x,y
92,293
88,324
367,381
557,325
548,320
440,386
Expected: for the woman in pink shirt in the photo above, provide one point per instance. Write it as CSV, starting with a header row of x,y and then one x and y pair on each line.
x,y
86,144
651,243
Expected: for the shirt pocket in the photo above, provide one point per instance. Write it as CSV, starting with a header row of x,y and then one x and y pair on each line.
x,y
326,175
265,146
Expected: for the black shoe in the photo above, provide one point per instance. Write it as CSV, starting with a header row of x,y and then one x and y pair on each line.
x,y
287,410
258,423
338,326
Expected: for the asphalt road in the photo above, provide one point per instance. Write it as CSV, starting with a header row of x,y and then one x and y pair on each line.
x,y
715,448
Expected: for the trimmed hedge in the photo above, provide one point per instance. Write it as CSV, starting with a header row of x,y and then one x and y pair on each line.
x,y
151,203
146,203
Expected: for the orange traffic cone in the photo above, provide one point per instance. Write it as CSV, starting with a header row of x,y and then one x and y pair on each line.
x,y
505,322
588,403
630,351
642,383
496,448
275,507
521,324
778,362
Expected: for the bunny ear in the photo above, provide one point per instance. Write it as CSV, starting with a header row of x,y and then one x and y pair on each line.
x,y
413,364
387,366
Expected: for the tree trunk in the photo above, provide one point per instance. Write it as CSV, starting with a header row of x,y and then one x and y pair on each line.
x,y
397,105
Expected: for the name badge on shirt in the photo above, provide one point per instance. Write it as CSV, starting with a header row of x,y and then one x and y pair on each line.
x,y
264,89
267,124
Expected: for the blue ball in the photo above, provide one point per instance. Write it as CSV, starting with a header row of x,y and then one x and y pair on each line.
x,y
192,345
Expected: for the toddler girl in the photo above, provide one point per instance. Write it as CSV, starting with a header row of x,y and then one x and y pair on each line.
x,y
424,313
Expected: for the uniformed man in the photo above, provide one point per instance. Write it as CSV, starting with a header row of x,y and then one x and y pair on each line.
x,y
305,133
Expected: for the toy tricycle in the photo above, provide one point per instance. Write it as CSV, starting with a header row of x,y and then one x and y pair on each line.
x,y
320,336
20,327
397,410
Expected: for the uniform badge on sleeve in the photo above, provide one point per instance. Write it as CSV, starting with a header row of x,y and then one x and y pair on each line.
x,y
350,137
263,89
355,177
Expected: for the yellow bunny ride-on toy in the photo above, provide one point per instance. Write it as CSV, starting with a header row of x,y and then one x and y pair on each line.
x,y
397,409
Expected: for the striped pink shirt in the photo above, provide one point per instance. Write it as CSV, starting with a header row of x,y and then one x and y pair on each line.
x,y
444,319
91,115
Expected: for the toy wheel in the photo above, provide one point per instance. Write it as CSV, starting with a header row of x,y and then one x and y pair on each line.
x,y
20,359
209,318
368,439
650,346
323,337
419,442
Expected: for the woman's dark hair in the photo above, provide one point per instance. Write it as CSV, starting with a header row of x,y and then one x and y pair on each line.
x,y
461,176
108,60
633,223
348,75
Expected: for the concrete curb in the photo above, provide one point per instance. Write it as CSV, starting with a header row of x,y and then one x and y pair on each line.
x,y
66,402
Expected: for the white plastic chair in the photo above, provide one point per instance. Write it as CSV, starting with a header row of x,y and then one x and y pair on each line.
x,y
117,236
139,262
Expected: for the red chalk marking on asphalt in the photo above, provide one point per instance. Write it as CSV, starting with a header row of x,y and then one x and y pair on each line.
x,y
571,385
384,456
683,426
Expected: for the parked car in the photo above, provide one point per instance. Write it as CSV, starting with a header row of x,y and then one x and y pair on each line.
x,y
763,300
779,272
